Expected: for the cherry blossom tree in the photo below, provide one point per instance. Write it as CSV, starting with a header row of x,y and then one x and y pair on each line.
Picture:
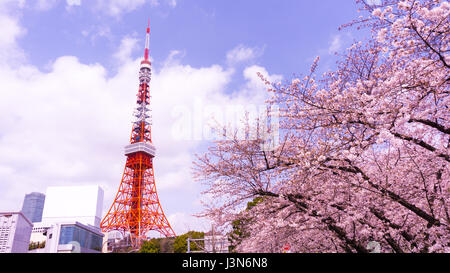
x,y
364,155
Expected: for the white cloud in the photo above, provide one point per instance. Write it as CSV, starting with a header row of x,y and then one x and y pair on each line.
x,y
127,46
254,83
336,44
11,32
242,53
172,3
182,223
118,7
174,58
339,41
154,3
5,5
68,125
97,31
45,4
73,2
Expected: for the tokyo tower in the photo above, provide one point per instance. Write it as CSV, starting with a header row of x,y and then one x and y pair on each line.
x,y
136,209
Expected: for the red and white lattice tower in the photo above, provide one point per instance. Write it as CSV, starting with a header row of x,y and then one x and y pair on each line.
x,y
136,209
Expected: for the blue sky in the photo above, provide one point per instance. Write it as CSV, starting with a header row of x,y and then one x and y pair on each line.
x,y
68,79
290,32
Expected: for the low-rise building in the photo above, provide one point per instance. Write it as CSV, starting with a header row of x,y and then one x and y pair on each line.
x,y
114,241
66,237
216,243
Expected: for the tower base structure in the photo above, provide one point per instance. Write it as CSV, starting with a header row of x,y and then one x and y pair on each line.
x,y
136,209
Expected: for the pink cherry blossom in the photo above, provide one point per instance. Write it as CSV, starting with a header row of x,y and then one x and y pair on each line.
x,y
364,150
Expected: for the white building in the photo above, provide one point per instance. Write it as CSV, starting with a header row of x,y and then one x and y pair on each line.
x,y
15,231
115,242
66,237
81,204
216,243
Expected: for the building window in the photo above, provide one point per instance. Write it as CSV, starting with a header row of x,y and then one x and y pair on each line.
x,y
86,238
66,235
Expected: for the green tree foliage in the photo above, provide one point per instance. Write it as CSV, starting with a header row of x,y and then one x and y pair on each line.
x,y
238,225
35,245
152,246
180,244
166,245
173,244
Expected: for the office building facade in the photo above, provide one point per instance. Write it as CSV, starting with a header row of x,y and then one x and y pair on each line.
x,y
33,206
15,231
